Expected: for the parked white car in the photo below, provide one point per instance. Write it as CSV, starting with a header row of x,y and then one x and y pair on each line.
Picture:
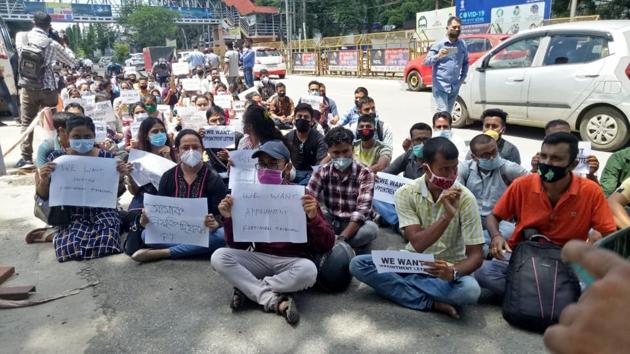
x,y
578,72
270,59
136,59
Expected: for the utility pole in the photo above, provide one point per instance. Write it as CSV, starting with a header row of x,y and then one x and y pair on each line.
x,y
290,53
573,8
304,18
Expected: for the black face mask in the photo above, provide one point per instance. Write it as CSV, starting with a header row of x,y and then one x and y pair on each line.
x,y
551,174
144,87
356,103
200,73
366,134
302,125
281,94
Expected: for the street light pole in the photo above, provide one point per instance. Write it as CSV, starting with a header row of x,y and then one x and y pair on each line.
x,y
290,54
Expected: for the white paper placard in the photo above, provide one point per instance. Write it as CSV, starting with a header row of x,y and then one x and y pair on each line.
x,y
314,101
584,151
386,185
129,96
241,176
180,69
73,100
89,110
88,99
195,121
268,213
185,112
243,159
100,130
148,167
129,70
401,262
84,181
104,112
176,220
192,84
134,127
218,137
223,101
239,109
243,95
164,109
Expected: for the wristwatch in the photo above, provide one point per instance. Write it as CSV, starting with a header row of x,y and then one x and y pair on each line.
x,y
456,274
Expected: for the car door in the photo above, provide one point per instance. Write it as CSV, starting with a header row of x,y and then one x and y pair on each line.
x,y
567,75
501,80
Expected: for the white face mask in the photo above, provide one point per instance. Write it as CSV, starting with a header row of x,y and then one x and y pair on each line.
x,y
191,158
139,117
265,80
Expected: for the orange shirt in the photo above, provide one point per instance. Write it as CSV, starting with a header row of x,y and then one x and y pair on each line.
x,y
582,207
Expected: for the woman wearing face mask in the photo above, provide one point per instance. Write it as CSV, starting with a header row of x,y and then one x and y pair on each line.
x,y
93,232
158,97
191,178
138,115
258,128
219,158
150,104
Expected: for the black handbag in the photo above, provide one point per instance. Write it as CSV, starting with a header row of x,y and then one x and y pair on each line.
x,y
54,216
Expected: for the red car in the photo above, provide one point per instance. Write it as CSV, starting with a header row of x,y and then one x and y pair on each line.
x,y
418,76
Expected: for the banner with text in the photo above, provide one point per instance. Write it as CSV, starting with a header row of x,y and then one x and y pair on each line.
x,y
389,60
401,261
343,60
386,185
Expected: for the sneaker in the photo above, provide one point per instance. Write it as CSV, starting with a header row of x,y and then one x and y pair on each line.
x,y
23,163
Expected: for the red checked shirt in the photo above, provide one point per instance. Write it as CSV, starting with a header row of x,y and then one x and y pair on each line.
x,y
346,197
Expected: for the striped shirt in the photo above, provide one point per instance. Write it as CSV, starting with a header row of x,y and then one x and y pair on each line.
x,y
415,206
54,52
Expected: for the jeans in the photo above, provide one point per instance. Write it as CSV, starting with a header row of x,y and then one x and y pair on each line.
x,y
492,275
415,291
249,76
216,240
367,233
444,100
505,227
387,211
302,177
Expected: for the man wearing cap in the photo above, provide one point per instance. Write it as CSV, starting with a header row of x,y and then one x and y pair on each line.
x,y
309,147
267,273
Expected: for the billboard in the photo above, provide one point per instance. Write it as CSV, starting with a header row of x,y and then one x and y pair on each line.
x,y
92,10
343,60
63,12
192,12
433,23
305,61
389,60
504,16
60,12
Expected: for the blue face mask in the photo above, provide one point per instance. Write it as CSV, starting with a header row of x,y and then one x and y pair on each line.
x,y
417,151
82,146
446,133
491,164
158,139
342,163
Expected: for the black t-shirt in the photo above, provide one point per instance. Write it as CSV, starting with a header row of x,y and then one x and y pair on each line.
x,y
307,154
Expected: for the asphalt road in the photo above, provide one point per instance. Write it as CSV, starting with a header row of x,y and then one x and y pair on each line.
x,y
182,306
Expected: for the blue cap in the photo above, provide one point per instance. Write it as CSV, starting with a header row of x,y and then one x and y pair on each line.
x,y
275,149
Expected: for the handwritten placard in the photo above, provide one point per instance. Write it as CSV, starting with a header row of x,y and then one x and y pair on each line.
x,y
243,159
195,121
164,109
176,220
88,99
84,181
243,168
268,213
100,130
90,110
223,101
239,109
192,84
314,101
386,185
135,128
180,69
129,96
584,151
104,112
148,167
243,95
130,70
218,137
401,262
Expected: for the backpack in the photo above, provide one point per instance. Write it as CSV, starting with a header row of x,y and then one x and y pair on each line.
x,y
538,286
32,64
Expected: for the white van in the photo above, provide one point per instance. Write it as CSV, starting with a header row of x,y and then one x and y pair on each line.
x,y
578,72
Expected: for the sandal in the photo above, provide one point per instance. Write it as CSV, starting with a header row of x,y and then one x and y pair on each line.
x,y
290,313
238,300
40,235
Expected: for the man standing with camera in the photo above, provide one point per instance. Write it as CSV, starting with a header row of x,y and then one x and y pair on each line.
x,y
38,50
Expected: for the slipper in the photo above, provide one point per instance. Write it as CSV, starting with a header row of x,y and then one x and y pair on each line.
x,y
40,235
290,313
238,300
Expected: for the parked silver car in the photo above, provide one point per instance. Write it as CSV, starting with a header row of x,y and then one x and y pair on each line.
x,y
578,72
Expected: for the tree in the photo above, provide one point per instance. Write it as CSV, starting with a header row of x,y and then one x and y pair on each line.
x,y
121,52
149,25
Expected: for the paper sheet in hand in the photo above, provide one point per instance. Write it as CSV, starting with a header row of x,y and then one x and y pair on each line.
x,y
314,101
584,151
129,96
243,169
192,84
148,167
176,220
386,185
239,109
164,109
268,213
180,69
243,95
218,137
104,112
223,101
243,159
195,121
401,262
135,128
84,181
100,128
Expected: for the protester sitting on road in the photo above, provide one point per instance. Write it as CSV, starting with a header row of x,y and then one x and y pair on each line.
x,y
372,153
258,127
494,123
152,138
330,111
488,176
555,203
616,171
353,115
191,178
58,142
347,188
440,217
410,165
93,232
561,126
443,126
383,132
618,202
281,108
138,114
270,273
265,86
309,147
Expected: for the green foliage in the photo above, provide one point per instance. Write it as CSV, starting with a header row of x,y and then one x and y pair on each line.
x,y
90,38
148,25
121,52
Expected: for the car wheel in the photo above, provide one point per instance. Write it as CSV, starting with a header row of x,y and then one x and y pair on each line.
x,y
605,127
460,114
414,81
282,76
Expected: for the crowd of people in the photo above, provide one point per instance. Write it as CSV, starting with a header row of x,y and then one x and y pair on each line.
x,y
469,207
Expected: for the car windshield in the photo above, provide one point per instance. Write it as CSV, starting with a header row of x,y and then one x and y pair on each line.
x,y
267,53
477,45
